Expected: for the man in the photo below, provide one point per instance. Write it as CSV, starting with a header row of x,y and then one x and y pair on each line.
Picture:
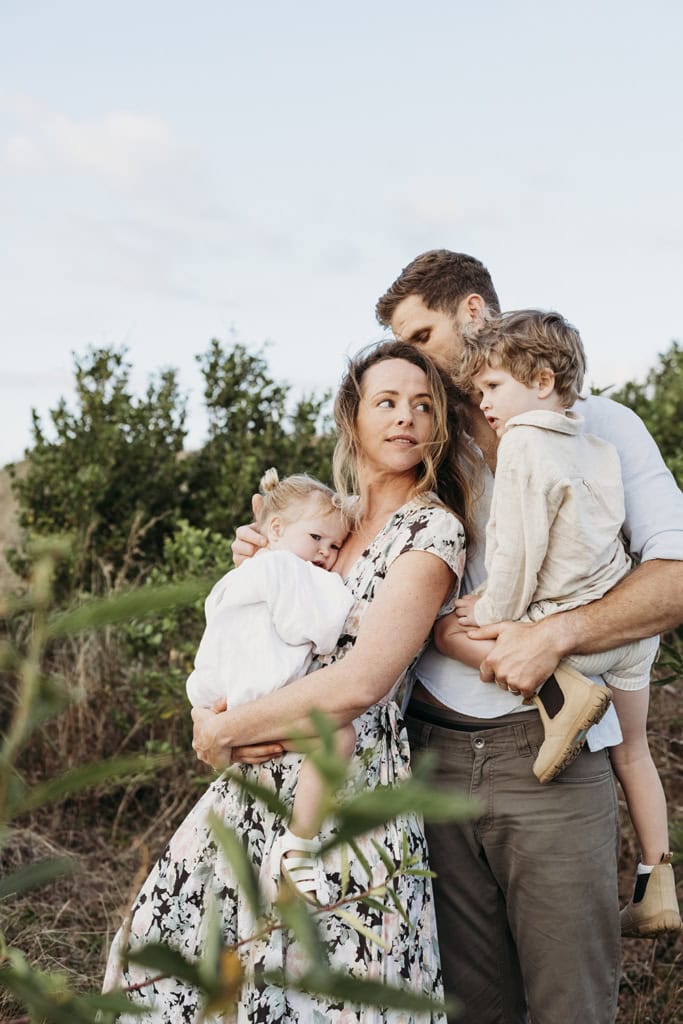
x,y
526,894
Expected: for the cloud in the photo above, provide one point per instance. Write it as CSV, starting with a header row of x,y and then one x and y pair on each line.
x,y
122,149
28,380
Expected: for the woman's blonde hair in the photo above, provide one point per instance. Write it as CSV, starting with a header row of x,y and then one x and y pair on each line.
x,y
448,468
285,497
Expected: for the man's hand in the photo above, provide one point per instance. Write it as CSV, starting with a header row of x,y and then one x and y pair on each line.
x,y
464,609
524,655
248,540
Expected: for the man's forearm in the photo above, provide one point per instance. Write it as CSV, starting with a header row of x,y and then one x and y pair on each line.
x,y
646,602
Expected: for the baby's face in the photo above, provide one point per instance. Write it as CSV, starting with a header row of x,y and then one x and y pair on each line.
x,y
315,537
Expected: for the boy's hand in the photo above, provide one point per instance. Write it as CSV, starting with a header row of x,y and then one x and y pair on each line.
x,y
464,609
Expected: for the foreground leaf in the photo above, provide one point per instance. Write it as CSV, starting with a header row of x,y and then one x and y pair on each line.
x,y
344,988
50,1000
360,926
294,913
372,808
266,796
235,852
169,962
34,875
77,779
132,604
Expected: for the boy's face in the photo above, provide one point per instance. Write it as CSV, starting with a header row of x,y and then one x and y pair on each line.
x,y
502,396
315,537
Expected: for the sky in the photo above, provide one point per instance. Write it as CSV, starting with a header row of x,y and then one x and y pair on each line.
x,y
172,173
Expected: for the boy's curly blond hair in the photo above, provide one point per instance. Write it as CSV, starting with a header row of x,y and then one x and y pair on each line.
x,y
523,343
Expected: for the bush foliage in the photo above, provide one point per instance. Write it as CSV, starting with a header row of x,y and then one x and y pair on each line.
x,y
659,403
113,475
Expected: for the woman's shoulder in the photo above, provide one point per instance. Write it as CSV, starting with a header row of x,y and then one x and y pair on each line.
x,y
425,524
429,513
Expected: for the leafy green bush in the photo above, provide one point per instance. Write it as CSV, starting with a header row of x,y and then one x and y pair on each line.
x,y
162,648
250,429
658,400
109,476
113,476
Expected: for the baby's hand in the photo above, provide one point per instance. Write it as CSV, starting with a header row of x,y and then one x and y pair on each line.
x,y
464,609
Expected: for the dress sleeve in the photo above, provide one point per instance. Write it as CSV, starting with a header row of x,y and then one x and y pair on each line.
x,y
438,531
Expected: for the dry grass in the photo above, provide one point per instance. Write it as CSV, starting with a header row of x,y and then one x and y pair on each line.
x,y
652,971
68,926
114,835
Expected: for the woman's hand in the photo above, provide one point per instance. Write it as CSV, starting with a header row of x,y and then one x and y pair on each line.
x,y
257,753
248,540
206,738
246,543
205,742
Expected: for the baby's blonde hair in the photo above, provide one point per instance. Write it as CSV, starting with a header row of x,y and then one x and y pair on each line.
x,y
282,497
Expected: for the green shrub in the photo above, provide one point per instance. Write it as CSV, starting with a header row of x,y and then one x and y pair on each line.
x,y
162,648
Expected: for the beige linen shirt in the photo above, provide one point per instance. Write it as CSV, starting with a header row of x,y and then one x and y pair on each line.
x,y
553,540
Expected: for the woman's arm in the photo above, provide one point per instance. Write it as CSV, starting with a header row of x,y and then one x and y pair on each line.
x,y
391,633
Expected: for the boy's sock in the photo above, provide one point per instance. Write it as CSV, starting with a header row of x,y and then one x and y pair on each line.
x,y
643,872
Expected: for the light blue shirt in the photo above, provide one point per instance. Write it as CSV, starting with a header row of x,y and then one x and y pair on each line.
x,y
653,528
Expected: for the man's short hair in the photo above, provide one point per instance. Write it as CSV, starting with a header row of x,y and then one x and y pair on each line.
x,y
442,279
524,342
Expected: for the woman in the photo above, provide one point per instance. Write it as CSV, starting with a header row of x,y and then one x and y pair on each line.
x,y
400,444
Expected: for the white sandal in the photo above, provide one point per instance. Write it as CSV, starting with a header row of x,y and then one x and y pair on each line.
x,y
305,871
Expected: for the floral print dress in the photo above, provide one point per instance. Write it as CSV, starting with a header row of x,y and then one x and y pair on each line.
x,y
192,873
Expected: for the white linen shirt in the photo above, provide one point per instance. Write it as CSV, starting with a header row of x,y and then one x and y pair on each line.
x,y
264,622
653,528
553,536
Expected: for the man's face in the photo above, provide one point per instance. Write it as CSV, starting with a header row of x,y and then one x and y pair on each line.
x,y
434,332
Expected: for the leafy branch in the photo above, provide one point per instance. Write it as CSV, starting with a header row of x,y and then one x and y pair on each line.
x,y
219,975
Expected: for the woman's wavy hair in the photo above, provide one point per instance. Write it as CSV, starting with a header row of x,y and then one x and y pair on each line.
x,y
449,467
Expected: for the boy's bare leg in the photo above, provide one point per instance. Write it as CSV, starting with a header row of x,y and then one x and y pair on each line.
x,y
653,907
636,771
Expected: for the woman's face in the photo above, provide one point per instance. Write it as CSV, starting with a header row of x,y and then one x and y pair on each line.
x,y
395,416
